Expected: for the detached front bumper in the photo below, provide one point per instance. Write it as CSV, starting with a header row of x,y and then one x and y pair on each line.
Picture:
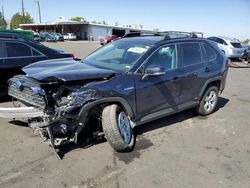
x,y
20,112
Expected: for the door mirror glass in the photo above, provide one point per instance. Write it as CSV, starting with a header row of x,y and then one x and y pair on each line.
x,y
154,70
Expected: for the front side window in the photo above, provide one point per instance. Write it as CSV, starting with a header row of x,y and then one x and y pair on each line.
x,y
164,57
17,50
118,56
190,54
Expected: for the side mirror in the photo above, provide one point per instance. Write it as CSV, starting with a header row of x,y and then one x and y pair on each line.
x,y
153,70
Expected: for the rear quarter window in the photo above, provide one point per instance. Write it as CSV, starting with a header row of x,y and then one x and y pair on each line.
x,y
190,54
43,49
210,53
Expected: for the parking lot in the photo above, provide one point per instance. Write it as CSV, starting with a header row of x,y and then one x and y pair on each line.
x,y
183,150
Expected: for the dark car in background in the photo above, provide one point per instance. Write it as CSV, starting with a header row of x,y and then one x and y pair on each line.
x,y
129,82
57,36
15,54
108,39
47,37
246,55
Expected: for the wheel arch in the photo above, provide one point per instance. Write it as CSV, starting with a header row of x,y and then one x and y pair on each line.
x,y
216,81
84,112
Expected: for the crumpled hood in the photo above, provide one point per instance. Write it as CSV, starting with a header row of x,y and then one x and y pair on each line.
x,y
64,69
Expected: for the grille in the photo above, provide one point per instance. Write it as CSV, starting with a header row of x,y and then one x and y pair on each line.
x,y
27,96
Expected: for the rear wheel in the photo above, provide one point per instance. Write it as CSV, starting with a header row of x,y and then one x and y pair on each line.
x,y
117,128
208,102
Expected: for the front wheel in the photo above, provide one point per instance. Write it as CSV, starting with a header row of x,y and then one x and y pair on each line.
x,y
117,128
208,102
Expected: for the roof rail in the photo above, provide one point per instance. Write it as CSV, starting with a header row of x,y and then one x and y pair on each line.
x,y
180,34
167,35
141,34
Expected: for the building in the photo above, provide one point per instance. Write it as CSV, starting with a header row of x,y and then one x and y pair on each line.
x,y
84,30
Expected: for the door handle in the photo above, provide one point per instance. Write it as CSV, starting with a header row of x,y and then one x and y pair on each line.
x,y
207,69
175,79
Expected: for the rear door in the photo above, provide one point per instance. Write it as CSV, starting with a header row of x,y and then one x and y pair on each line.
x,y
193,70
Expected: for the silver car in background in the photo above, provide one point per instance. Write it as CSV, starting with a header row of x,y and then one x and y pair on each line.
x,y
231,47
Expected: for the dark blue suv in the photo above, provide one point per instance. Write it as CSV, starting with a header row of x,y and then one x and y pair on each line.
x,y
133,80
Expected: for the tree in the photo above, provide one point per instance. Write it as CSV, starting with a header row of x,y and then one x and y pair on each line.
x,y
3,23
77,19
20,19
94,22
156,29
247,41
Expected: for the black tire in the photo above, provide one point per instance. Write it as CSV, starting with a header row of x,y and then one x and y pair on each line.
x,y
112,131
202,108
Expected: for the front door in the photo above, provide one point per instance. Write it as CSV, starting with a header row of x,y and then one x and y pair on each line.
x,y
159,94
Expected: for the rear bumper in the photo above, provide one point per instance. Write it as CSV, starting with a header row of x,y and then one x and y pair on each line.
x,y
235,54
72,38
223,81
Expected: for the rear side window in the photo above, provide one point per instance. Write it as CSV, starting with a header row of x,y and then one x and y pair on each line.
x,y
236,44
221,41
2,54
17,50
210,53
190,54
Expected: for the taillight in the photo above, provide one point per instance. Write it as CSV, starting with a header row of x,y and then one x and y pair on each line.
x,y
230,63
72,55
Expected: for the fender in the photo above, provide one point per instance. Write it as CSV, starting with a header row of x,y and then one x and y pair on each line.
x,y
84,111
217,78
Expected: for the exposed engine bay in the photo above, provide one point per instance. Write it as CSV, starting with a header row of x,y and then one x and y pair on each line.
x,y
61,105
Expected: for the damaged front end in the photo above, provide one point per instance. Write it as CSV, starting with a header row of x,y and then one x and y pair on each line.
x,y
59,105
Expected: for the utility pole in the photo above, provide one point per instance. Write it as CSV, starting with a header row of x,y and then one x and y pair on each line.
x,y
2,12
39,10
22,9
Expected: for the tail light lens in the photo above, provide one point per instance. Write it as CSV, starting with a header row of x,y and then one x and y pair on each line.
x,y
72,55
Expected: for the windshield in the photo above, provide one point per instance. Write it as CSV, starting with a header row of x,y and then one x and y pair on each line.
x,y
118,56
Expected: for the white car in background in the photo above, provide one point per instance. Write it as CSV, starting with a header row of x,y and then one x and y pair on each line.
x,y
69,36
231,47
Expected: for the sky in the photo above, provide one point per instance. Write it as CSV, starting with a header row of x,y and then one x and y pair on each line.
x,y
212,17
